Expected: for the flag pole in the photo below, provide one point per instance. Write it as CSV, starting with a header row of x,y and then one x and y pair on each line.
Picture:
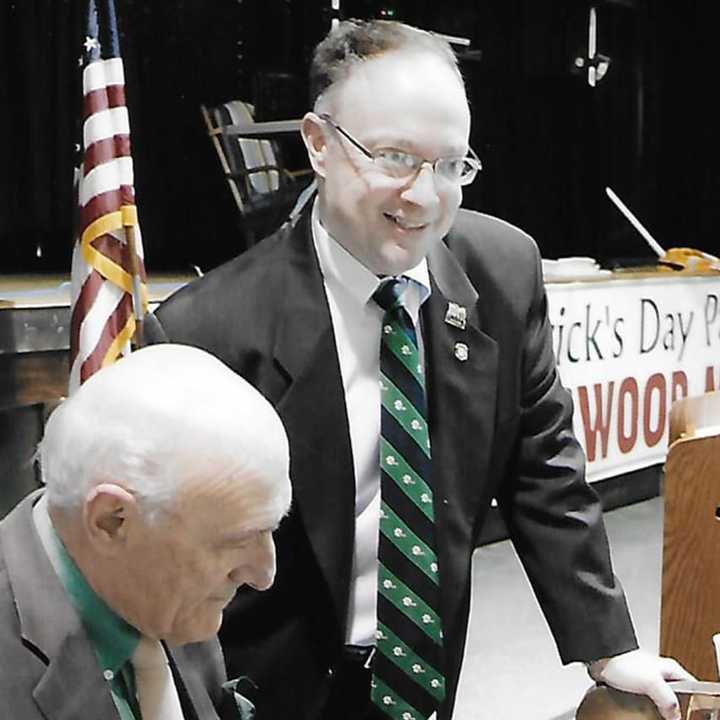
x,y
138,336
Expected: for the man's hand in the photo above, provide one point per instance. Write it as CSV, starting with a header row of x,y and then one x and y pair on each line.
x,y
641,673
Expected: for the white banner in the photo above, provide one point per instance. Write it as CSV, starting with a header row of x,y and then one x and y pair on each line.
x,y
626,349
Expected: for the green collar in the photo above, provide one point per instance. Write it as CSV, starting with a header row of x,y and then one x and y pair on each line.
x,y
113,639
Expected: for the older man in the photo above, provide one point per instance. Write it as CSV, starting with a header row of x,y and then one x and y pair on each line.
x,y
166,475
407,348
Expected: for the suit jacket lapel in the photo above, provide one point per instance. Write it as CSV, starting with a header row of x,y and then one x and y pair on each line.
x,y
461,400
39,597
314,412
193,693
75,667
323,481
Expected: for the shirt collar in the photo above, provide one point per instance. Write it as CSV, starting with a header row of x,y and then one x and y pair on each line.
x,y
113,639
343,270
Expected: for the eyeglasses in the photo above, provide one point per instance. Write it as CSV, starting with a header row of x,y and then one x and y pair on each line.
x,y
404,165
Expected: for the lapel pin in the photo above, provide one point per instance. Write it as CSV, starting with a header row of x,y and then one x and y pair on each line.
x,y
461,351
456,315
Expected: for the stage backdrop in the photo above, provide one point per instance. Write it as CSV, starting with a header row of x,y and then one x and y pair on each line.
x,y
627,349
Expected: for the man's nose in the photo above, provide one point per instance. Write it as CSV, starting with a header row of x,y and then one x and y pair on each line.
x,y
421,189
258,570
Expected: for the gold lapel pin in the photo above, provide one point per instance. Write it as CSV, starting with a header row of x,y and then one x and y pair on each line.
x,y
461,351
456,315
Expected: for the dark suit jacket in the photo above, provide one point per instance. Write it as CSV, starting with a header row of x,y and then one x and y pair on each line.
x,y
500,426
48,669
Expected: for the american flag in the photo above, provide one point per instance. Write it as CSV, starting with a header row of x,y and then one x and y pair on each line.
x,y
108,279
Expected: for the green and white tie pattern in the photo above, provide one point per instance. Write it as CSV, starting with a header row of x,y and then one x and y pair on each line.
x,y
407,680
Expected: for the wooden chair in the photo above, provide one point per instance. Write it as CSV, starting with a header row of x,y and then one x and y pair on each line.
x,y
264,190
690,605
695,414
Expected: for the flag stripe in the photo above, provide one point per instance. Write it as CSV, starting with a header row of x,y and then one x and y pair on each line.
x,y
103,72
105,124
106,301
105,203
92,324
89,291
112,248
114,324
107,96
121,341
104,151
108,176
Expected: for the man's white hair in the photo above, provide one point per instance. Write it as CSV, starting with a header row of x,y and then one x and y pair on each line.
x,y
164,415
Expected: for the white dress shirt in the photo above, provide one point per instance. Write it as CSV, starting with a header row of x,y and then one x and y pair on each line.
x,y
356,320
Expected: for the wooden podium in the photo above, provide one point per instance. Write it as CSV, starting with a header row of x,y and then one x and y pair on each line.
x,y
690,606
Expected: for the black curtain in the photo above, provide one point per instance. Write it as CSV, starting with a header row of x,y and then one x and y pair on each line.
x,y
548,142
39,90
177,56
688,166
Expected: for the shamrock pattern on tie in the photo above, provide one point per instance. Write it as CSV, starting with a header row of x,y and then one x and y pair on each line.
x,y
407,681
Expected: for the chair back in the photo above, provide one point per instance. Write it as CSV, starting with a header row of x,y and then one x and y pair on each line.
x,y
690,601
263,189
695,414
257,160
252,165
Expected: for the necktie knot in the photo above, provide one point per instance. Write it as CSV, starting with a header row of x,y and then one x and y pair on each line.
x,y
389,294
149,655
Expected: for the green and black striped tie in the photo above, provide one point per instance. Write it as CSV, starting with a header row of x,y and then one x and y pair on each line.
x,y
407,680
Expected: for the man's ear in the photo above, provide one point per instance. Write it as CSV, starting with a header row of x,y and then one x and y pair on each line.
x,y
109,512
313,135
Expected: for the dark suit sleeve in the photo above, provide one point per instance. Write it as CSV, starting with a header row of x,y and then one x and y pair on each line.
x,y
154,333
554,516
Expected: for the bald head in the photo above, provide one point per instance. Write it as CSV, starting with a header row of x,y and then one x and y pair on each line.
x,y
157,419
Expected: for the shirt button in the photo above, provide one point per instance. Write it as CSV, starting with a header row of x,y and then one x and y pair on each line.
x,y
108,674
